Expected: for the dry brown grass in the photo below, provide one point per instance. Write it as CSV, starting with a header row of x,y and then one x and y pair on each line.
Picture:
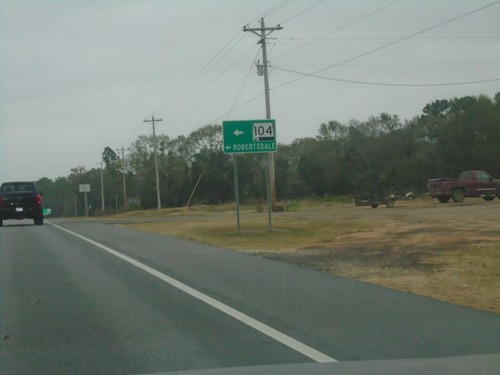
x,y
446,251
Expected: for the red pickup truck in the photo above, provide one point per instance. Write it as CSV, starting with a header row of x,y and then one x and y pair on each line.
x,y
468,184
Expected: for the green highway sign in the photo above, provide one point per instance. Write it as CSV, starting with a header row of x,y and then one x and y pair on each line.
x,y
249,136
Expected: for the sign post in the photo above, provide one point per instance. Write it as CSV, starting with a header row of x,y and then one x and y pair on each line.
x,y
85,188
249,136
236,191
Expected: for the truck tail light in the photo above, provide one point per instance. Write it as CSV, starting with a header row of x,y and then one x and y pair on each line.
x,y
38,200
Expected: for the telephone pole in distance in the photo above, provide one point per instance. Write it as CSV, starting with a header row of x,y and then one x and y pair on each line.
x,y
123,170
102,187
153,121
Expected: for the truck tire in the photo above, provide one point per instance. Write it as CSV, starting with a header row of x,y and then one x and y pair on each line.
x,y
374,205
458,195
489,198
389,203
443,198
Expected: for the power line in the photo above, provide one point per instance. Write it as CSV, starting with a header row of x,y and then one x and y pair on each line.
x,y
272,10
390,44
338,29
487,37
302,42
243,85
133,133
240,106
205,69
210,65
389,84
224,90
214,60
366,53
214,96
206,86
454,63
210,83
302,11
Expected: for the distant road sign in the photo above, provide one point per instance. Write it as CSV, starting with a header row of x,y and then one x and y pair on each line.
x,y
249,136
84,188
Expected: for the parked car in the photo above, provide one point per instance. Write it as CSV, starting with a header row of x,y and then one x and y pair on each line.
x,y
468,184
20,200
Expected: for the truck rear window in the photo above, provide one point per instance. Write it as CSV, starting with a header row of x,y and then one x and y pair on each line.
x,y
18,187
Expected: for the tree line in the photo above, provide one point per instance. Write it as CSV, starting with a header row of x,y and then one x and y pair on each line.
x,y
382,153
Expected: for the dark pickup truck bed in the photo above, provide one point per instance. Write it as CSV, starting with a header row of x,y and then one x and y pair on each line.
x,y
20,200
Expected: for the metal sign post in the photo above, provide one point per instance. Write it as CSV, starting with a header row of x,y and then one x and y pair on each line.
x,y
85,188
250,136
236,191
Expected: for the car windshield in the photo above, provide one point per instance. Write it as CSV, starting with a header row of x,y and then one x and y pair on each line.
x,y
203,184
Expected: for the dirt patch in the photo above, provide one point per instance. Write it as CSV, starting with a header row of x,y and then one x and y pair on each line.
x,y
455,258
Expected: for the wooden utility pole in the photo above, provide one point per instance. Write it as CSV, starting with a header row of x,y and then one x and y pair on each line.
x,y
102,188
153,121
262,32
125,204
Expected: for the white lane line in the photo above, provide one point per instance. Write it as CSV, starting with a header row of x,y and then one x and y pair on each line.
x,y
255,324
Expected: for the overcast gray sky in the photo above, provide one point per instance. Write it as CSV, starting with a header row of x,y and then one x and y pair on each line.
x,y
77,76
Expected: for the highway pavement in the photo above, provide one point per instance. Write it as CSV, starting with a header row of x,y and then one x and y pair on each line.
x,y
82,297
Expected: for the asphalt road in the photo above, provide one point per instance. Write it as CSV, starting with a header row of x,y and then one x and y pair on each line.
x,y
92,298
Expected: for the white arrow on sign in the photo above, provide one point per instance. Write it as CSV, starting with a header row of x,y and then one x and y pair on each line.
x,y
237,132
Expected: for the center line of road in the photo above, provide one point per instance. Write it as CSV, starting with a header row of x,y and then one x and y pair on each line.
x,y
249,321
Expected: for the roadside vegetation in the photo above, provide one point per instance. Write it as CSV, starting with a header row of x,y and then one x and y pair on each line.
x,y
381,153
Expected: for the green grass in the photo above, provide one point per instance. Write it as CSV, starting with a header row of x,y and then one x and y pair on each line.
x,y
287,232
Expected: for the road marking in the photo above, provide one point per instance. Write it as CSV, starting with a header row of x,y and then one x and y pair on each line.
x,y
249,321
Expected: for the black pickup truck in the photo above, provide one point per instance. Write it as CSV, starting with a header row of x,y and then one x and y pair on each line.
x,y
20,200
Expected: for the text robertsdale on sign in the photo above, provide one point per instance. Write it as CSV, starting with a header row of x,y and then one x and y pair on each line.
x,y
249,136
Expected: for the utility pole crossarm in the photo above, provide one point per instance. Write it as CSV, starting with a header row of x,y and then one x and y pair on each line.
x,y
259,31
